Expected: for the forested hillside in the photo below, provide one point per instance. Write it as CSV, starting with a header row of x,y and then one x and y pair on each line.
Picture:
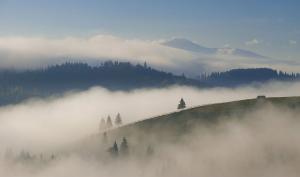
x,y
237,77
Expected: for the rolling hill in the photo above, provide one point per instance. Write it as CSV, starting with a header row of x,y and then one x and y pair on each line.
x,y
174,126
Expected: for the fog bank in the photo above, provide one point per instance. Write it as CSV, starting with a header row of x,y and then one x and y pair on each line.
x,y
24,52
50,123
263,143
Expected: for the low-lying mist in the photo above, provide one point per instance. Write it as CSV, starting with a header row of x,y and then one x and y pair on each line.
x,y
264,143
48,123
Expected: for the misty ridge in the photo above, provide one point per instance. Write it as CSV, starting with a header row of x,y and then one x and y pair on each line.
x,y
17,86
60,136
252,143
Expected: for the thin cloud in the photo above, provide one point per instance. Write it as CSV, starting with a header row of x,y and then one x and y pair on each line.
x,y
292,42
23,51
32,52
253,42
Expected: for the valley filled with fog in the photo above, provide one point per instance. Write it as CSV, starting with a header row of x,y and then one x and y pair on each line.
x,y
234,147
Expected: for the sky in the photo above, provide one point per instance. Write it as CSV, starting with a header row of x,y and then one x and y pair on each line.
x,y
269,27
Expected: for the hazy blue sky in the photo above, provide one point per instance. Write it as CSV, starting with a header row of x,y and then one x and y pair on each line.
x,y
271,27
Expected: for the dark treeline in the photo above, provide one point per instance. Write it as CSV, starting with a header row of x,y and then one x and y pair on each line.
x,y
28,158
18,85
237,77
112,75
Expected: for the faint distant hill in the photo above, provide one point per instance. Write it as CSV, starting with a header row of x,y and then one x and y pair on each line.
x,y
238,77
181,43
185,44
16,86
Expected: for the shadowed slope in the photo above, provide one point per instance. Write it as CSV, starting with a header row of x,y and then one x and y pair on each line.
x,y
174,126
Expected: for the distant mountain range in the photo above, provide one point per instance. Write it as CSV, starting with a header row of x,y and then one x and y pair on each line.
x,y
16,86
185,44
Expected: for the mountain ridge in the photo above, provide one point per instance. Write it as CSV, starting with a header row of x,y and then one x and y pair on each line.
x,y
185,44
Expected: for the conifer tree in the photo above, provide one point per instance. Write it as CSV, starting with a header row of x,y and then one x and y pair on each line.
x,y
118,120
114,150
181,104
150,150
124,147
109,122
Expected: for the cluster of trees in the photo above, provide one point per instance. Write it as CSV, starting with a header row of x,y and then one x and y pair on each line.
x,y
116,150
108,123
27,157
104,125
123,149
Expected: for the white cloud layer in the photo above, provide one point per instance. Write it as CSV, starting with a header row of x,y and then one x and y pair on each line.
x,y
264,142
24,51
28,52
51,123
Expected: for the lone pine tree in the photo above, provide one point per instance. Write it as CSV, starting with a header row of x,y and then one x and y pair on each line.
x,y
114,150
181,104
118,120
124,147
109,122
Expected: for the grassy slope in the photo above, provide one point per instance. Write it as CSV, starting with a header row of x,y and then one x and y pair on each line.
x,y
172,126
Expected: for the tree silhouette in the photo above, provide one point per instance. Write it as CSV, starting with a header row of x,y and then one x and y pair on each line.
x,y
109,122
102,125
124,147
53,157
41,157
181,104
145,65
24,155
150,150
114,150
118,120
